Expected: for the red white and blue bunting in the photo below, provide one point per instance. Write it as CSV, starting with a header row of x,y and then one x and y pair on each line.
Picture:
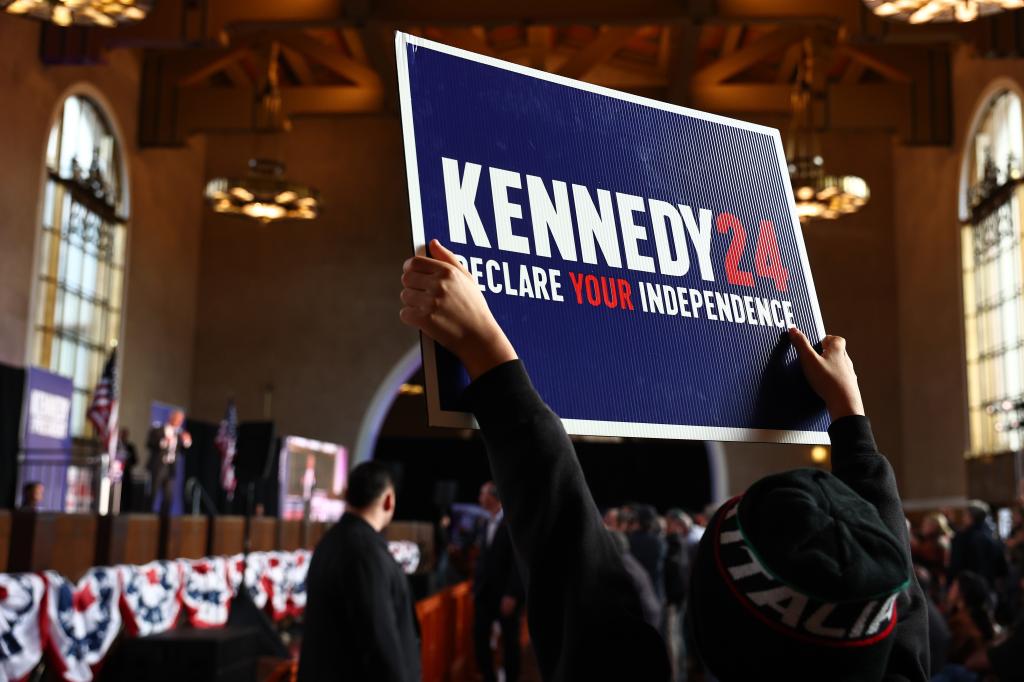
x,y
298,569
406,553
247,570
151,596
76,625
21,646
276,576
83,621
207,593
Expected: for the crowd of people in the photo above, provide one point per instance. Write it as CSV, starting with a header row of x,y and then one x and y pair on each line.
x,y
658,552
974,583
808,575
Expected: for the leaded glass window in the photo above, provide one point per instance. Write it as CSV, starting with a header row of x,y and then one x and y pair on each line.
x,y
81,262
991,252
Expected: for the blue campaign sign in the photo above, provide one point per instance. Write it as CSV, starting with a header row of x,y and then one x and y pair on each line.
x,y
644,259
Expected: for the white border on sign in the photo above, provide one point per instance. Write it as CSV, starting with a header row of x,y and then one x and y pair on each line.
x,y
587,427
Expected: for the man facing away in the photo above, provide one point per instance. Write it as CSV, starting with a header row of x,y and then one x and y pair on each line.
x,y
805,577
497,593
360,619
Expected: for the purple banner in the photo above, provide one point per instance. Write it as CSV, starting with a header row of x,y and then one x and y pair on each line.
x,y
46,437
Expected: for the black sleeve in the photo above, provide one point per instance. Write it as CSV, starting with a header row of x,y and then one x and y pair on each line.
x,y
379,640
857,462
577,588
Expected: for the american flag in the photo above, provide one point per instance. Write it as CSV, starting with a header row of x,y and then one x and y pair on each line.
x,y
227,436
104,407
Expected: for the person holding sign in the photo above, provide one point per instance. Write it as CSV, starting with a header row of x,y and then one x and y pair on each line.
x,y
806,576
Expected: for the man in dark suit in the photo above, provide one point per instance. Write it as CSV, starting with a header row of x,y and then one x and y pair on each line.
x,y
497,591
360,619
166,442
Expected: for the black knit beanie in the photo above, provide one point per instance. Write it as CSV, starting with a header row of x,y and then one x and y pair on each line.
x,y
797,579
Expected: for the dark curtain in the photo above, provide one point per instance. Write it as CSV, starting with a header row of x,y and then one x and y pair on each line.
x,y
12,384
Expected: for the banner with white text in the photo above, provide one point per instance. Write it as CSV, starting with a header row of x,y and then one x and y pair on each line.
x,y
644,259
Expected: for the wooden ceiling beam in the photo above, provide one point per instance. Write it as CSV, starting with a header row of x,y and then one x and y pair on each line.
x,y
334,60
473,39
540,40
298,64
207,109
197,76
887,71
609,41
741,60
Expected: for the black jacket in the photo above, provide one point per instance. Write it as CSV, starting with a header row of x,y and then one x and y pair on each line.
x,y
496,575
857,463
977,549
585,616
360,622
649,549
677,569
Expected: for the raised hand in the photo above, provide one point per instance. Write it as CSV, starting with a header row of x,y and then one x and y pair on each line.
x,y
441,299
830,373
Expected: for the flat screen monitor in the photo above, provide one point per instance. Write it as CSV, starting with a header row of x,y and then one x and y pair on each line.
x,y
313,475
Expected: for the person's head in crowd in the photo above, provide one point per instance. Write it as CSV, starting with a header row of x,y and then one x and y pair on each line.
x,y
969,593
371,494
176,419
799,572
611,518
627,518
32,495
645,519
677,522
976,513
489,499
936,525
125,435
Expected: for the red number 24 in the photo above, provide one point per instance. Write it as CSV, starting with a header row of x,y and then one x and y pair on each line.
x,y
767,260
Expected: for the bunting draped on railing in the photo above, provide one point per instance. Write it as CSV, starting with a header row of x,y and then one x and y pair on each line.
x,y
76,624
82,623
21,646
151,596
207,593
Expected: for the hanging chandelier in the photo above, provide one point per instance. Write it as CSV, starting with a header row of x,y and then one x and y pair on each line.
x,y
264,194
819,195
106,13
925,11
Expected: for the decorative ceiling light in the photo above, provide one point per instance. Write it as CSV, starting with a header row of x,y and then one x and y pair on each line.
x,y
819,195
264,194
925,11
106,13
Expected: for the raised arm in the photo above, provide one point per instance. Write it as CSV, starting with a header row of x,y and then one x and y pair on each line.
x,y
857,462
575,582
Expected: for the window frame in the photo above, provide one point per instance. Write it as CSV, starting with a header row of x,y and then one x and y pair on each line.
x,y
84,440
969,217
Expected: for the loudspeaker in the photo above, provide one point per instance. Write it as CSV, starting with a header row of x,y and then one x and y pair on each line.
x,y
444,493
253,451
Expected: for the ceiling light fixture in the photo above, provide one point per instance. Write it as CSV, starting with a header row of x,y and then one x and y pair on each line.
x,y
265,194
819,195
105,13
938,11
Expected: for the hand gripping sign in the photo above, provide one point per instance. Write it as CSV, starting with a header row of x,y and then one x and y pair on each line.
x,y
644,259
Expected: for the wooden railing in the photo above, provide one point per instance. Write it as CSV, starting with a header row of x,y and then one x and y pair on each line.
x,y
446,635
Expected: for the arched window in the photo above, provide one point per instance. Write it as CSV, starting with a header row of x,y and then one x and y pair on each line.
x,y
81,262
991,251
